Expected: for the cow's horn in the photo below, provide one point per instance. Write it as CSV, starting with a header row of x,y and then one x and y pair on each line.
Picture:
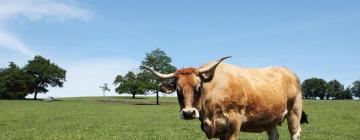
x,y
207,69
165,76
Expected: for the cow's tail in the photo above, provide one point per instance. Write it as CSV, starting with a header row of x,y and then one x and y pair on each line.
x,y
304,118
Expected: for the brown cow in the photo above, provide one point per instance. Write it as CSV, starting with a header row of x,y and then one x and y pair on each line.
x,y
228,99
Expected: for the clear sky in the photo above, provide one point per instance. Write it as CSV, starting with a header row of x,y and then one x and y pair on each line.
x,y
96,40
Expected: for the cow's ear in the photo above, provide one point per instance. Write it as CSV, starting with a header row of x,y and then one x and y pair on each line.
x,y
168,87
207,77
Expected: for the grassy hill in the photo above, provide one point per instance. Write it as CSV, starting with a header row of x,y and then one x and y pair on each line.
x,y
125,118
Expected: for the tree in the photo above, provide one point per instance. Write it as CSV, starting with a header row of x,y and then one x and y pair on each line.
x,y
314,87
356,88
44,74
130,83
104,88
13,82
159,61
335,89
347,94
2,87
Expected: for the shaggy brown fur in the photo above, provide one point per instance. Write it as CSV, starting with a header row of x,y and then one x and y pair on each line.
x,y
186,71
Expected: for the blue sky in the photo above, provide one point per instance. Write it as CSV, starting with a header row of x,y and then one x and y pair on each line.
x,y
95,40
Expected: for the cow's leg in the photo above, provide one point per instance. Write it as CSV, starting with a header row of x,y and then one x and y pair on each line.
x,y
293,118
235,125
232,134
273,133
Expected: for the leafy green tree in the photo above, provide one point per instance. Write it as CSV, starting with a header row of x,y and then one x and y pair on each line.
x,y
347,94
2,87
335,89
13,82
44,74
130,83
314,87
356,88
159,61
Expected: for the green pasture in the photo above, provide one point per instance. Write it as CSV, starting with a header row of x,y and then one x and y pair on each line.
x,y
125,118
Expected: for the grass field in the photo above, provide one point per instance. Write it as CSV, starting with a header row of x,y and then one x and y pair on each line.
x,y
125,118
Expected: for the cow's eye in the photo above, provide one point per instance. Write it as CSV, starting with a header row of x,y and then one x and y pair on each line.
x,y
178,88
197,87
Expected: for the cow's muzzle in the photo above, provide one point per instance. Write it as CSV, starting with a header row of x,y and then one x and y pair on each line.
x,y
189,113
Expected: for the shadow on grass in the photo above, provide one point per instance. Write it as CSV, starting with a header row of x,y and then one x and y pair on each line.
x,y
127,102
54,100
133,98
109,101
146,104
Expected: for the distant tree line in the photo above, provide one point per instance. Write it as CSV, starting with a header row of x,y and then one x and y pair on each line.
x,y
35,77
318,88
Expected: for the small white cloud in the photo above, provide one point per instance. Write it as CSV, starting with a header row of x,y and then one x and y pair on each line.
x,y
10,41
41,9
35,10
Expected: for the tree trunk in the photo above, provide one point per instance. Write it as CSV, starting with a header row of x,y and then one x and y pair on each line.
x,y
35,95
133,96
157,97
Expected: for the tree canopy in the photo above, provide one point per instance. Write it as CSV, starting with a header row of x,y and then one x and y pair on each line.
x,y
34,77
159,61
45,74
131,83
347,93
13,82
356,88
335,89
314,87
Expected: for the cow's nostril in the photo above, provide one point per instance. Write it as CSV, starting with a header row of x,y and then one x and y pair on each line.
x,y
190,114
